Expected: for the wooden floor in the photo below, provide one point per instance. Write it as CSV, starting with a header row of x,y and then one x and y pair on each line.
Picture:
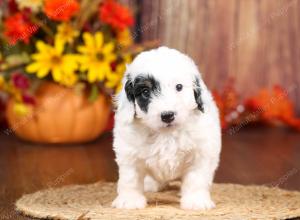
x,y
251,156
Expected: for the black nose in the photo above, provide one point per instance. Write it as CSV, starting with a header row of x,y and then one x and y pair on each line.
x,y
168,116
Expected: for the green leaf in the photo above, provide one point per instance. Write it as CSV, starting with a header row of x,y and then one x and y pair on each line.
x,y
94,93
17,59
79,88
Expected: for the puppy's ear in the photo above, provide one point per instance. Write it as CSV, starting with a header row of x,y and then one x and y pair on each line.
x,y
197,94
129,89
125,101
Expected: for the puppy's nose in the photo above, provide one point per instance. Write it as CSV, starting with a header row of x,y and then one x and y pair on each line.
x,y
168,116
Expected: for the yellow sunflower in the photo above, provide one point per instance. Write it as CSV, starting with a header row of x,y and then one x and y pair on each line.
x,y
66,33
125,38
114,79
96,57
69,79
51,59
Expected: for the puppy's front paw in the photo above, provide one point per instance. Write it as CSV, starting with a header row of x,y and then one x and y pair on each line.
x,y
197,201
130,201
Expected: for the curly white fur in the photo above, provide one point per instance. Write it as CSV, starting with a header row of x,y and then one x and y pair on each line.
x,y
148,152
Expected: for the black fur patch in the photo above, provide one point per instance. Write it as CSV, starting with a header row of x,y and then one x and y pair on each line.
x,y
145,87
197,94
129,89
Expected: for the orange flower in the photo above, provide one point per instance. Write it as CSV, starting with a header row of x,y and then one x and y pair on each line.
x,y
116,15
61,10
18,28
274,105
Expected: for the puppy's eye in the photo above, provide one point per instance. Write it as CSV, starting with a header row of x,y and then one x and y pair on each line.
x,y
179,87
146,93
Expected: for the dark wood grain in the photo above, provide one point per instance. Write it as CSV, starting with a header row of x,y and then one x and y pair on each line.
x,y
265,156
254,41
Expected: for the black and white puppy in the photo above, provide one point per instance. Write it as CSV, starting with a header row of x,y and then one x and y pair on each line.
x,y
166,127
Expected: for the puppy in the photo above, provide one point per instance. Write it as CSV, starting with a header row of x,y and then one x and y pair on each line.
x,y
166,128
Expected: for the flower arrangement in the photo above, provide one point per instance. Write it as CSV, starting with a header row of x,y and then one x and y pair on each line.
x,y
267,106
79,44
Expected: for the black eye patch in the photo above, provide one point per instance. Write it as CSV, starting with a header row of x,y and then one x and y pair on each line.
x,y
144,88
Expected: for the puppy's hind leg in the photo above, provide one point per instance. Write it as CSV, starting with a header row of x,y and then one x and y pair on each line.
x,y
151,185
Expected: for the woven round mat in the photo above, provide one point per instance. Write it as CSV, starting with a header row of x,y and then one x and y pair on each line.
x,y
93,202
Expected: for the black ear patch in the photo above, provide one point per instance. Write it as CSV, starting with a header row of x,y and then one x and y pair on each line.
x,y
129,89
197,94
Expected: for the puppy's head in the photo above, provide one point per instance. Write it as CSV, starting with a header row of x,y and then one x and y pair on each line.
x,y
161,89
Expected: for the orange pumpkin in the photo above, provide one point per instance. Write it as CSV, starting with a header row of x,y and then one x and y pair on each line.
x,y
60,116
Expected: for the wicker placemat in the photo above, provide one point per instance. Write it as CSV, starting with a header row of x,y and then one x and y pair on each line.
x,y
93,202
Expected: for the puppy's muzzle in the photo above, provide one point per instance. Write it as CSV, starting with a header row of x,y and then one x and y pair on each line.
x,y
168,116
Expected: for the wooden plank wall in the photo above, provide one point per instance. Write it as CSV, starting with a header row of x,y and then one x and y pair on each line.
x,y
257,42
